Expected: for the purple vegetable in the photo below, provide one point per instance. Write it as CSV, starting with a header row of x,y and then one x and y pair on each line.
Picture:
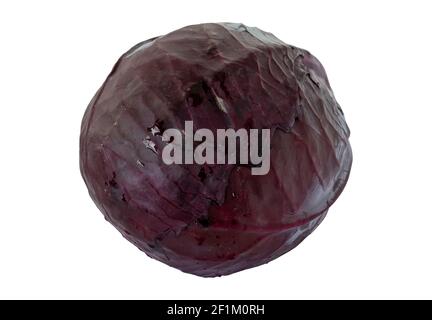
x,y
213,220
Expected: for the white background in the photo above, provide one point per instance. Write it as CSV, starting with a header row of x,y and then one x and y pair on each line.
x,y
375,242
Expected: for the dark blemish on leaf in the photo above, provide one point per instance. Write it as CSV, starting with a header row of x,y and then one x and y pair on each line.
x,y
214,203
204,221
194,97
199,92
112,182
